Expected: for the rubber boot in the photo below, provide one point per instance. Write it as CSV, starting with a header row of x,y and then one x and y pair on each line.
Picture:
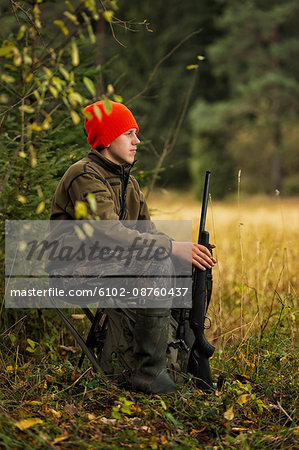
x,y
151,333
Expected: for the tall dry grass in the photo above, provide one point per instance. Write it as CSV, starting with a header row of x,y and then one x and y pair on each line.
x,y
256,278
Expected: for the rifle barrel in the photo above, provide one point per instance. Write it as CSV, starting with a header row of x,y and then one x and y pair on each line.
x,y
204,203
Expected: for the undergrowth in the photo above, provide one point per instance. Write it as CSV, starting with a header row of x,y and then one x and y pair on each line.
x,y
46,402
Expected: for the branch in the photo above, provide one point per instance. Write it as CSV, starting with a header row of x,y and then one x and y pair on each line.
x,y
167,148
161,61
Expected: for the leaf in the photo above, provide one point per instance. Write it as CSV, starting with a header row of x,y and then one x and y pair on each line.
x,y
40,208
27,109
229,414
244,399
107,106
62,26
108,15
89,230
64,72
78,316
63,437
110,89
33,402
35,127
192,66
75,117
21,199
92,201
163,404
90,86
97,112
72,17
75,53
31,343
79,233
74,98
80,210
200,57
7,78
118,98
27,423
10,369
21,32
52,412
70,409
53,91
33,156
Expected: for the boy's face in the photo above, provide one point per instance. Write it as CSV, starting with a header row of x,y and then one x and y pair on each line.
x,y
123,148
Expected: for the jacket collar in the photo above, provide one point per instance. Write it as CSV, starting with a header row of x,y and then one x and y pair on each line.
x,y
109,165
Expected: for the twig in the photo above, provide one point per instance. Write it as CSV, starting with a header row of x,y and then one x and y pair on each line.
x,y
284,411
161,61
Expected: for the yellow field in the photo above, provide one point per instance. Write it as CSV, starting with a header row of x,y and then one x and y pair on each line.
x,y
256,277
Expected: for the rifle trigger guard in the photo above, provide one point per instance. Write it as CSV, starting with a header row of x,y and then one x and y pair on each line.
x,y
206,327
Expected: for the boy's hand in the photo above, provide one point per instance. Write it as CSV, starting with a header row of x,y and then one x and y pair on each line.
x,y
199,254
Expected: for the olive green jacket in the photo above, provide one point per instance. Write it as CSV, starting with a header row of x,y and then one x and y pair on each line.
x,y
117,193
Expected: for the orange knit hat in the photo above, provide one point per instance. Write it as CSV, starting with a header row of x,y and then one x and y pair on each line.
x,y
103,127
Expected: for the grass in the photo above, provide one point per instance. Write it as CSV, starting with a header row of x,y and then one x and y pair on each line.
x,y
253,328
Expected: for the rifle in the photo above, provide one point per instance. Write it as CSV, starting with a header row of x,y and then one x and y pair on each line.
x,y
202,350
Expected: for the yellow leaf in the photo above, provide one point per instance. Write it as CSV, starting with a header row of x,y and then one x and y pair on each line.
x,y
40,208
29,77
110,89
21,32
27,423
192,66
229,414
10,369
75,117
80,210
64,72
118,98
63,437
35,127
244,399
48,72
21,199
90,85
22,154
79,233
27,109
33,156
72,17
33,402
7,78
52,412
200,58
75,53
108,15
74,98
92,202
53,91
62,26
89,230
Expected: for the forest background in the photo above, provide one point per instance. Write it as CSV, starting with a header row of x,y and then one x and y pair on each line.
x,y
214,86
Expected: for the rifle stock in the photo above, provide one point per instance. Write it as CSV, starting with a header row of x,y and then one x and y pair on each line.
x,y
202,350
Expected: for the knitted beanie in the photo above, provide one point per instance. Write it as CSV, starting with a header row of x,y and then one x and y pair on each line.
x,y
103,125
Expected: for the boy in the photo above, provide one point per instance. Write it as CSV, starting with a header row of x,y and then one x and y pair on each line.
x,y
105,172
